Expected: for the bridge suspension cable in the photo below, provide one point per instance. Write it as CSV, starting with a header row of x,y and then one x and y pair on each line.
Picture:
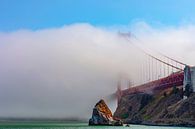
x,y
155,67
127,37
129,34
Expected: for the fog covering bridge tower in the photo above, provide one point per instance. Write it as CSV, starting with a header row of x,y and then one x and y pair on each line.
x,y
157,72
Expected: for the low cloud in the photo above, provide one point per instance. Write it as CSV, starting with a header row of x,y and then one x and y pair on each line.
x,y
62,72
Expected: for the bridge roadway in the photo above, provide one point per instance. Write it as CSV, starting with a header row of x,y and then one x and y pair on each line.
x,y
174,79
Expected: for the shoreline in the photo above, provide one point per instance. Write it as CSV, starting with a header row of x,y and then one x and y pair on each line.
x,y
163,125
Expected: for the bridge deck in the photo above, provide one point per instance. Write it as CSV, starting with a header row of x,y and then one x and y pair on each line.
x,y
175,79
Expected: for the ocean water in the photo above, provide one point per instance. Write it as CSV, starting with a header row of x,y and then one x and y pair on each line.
x,y
76,126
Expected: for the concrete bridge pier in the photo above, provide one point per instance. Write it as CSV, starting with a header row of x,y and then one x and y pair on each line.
x,y
189,81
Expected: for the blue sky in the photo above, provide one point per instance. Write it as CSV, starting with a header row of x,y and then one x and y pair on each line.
x,y
40,14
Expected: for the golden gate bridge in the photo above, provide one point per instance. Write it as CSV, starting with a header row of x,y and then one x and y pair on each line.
x,y
156,73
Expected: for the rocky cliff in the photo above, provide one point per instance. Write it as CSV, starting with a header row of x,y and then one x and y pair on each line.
x,y
103,116
163,109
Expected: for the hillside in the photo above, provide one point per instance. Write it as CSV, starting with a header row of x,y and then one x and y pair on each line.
x,y
163,109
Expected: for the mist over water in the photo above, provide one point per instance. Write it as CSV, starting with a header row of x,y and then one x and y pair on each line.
x,y
63,72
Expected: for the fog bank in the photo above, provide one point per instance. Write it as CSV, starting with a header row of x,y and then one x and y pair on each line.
x,y
63,72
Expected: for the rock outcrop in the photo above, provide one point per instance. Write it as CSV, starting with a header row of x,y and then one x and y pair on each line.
x,y
130,106
102,115
169,109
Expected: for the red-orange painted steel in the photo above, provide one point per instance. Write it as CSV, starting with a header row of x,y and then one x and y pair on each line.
x,y
175,79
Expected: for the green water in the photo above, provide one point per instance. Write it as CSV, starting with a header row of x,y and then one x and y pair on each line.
x,y
75,126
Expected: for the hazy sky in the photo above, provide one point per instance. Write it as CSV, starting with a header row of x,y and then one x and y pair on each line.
x,y
58,58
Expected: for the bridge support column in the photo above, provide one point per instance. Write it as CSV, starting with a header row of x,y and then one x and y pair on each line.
x,y
189,81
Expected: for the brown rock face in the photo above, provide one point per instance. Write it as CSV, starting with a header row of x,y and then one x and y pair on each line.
x,y
103,108
102,115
